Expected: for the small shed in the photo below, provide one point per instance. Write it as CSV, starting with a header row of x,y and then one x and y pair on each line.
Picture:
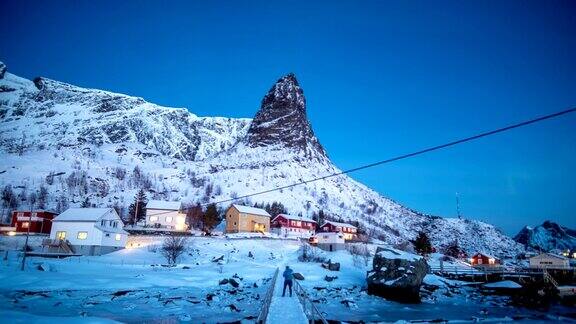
x,y
549,261
329,241
484,260
37,221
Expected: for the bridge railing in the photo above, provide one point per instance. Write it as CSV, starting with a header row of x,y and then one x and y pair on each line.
x,y
311,311
267,299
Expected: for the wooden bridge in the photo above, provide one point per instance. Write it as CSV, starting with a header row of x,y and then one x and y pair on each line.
x,y
295,309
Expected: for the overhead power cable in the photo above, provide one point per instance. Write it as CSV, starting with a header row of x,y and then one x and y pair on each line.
x,y
405,156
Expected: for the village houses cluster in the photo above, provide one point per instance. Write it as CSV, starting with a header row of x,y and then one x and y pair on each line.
x,y
97,231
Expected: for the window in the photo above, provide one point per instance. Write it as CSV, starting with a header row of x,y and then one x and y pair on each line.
x,y
118,237
107,234
169,219
20,214
34,214
115,224
25,224
102,223
61,235
82,235
153,218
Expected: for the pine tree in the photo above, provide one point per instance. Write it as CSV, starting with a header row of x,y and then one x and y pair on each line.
x,y
321,217
422,244
137,209
210,218
275,209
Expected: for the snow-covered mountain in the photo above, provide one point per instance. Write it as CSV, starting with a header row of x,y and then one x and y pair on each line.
x,y
547,237
74,143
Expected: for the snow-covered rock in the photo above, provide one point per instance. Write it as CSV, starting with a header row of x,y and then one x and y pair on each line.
x,y
547,237
76,143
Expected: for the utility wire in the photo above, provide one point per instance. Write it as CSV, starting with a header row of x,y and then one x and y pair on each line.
x,y
405,156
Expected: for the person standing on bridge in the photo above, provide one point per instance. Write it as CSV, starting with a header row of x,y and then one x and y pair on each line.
x,y
288,277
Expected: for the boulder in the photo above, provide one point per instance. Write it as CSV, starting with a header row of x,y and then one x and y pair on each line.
x,y
397,275
331,266
233,282
298,276
224,281
329,278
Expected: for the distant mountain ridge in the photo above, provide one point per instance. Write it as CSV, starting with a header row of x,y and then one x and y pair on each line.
x,y
82,144
547,237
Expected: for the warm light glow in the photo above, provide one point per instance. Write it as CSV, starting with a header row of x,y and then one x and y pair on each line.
x,y
180,220
180,226
471,260
25,224
82,235
491,261
118,237
11,233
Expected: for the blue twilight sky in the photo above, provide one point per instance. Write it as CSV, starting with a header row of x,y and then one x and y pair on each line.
x,y
381,78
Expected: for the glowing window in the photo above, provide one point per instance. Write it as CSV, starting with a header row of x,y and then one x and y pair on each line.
x,y
118,237
25,225
169,219
153,218
61,235
82,235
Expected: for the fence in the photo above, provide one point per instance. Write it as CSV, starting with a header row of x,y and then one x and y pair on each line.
x,y
308,306
267,299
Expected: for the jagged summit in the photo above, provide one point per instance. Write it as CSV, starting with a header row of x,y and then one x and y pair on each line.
x,y
547,237
282,120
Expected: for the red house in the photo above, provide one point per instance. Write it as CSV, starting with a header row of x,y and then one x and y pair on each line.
x,y
39,221
484,260
348,230
295,226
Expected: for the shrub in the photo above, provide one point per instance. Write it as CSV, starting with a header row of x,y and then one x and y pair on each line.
x,y
173,247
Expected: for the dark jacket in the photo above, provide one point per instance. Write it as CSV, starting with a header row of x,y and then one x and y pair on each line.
x,y
288,274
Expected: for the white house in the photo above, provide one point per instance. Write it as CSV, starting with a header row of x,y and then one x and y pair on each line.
x,y
329,241
165,214
549,261
90,231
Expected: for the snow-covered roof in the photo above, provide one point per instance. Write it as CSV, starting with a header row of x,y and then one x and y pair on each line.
x,y
83,214
251,210
298,218
338,224
165,205
561,257
486,255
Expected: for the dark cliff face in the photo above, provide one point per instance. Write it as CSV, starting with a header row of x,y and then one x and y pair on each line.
x,y
282,120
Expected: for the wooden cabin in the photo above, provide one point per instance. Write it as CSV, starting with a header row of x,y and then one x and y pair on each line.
x,y
484,260
549,261
247,219
293,226
37,222
349,231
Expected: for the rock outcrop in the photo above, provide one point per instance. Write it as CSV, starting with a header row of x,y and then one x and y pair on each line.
x,y
2,69
282,120
547,237
397,275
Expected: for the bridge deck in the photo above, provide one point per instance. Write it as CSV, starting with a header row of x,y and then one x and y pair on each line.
x,y
285,309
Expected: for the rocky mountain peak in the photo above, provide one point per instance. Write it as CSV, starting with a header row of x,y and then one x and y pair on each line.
x,y
2,69
282,120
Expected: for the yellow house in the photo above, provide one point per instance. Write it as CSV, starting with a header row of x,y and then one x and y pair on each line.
x,y
247,219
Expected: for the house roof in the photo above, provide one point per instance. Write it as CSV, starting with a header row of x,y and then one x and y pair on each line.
x,y
486,255
561,257
84,214
251,210
298,218
338,224
165,205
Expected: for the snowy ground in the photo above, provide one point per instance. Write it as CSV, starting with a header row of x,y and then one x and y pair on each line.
x,y
132,286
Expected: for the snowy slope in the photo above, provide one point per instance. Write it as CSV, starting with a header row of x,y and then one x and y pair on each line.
x,y
79,143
